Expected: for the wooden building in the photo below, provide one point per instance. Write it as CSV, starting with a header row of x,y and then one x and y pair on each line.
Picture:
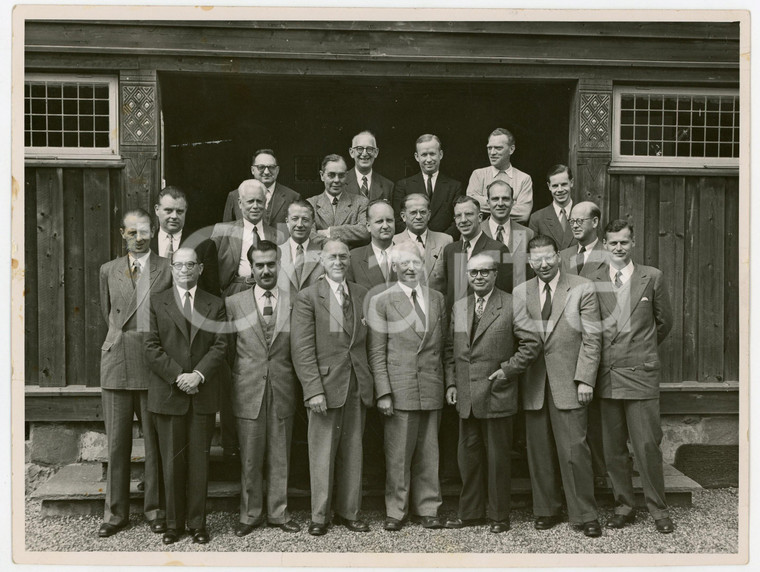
x,y
647,115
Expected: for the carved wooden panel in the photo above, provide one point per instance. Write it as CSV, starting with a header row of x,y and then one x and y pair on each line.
x,y
595,121
138,114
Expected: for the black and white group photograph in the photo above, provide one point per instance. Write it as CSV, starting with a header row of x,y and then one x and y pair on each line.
x,y
379,287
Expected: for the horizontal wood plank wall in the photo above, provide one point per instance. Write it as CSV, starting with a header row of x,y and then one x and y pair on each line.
x,y
64,251
688,227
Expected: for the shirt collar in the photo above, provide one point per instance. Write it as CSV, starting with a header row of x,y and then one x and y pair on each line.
x,y
182,291
377,250
568,207
552,284
474,240
248,226
408,291
176,237
258,292
485,298
625,272
413,236
294,245
508,171
331,197
360,175
434,176
143,258
588,247
334,285
494,226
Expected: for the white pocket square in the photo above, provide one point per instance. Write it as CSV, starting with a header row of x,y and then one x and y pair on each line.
x,y
645,299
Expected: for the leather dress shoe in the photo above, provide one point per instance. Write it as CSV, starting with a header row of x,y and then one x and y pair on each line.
x,y
290,526
199,535
592,528
352,525
157,526
430,522
107,529
463,523
664,525
171,536
243,529
546,522
498,526
620,520
393,524
317,529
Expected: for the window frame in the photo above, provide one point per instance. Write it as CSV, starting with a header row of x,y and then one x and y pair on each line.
x,y
619,160
103,153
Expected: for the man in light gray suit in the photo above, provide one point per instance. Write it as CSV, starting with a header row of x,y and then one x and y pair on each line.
x,y
407,327
415,212
263,393
125,287
299,255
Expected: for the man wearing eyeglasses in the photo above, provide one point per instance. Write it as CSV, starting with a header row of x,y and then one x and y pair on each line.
x,y
362,179
185,350
264,169
487,347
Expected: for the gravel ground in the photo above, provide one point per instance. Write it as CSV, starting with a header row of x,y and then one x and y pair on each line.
x,y
709,526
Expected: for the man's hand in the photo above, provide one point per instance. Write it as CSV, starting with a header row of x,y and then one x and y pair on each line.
x,y
585,393
451,395
189,382
498,375
385,405
318,404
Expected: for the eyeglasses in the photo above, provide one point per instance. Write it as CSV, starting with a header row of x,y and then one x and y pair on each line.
x,y
181,265
579,221
485,272
262,168
539,260
362,150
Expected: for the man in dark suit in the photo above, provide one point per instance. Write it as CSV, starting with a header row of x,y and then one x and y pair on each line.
x,y
486,349
126,285
337,213
552,220
473,241
171,210
637,317
299,255
371,265
362,179
440,189
185,349
264,168
558,386
263,393
407,327
585,259
329,349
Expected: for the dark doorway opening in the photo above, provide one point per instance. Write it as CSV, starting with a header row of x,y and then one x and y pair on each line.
x,y
213,123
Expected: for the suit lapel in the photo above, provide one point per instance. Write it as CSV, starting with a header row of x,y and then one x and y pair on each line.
x,y
559,301
330,302
343,209
639,281
251,313
357,312
310,262
282,312
172,304
201,312
325,211
515,239
490,313
275,204
439,193
371,267
533,303
405,309
287,265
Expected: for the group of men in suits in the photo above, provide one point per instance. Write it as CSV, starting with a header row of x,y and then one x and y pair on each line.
x,y
323,299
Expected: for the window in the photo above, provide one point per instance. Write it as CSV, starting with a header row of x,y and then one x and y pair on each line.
x,y
676,127
70,116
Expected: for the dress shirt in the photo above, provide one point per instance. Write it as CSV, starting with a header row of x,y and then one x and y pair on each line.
x,y
407,290
259,294
568,208
508,176
163,241
433,177
294,246
542,289
270,192
181,292
334,287
588,250
493,225
244,267
359,179
143,259
472,243
331,197
625,273
485,298
379,257
423,236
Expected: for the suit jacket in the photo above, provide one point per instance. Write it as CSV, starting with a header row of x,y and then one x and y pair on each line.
x,y
171,350
519,237
312,269
326,351
380,187
455,267
597,259
571,342
365,270
276,212
348,222
522,191
406,358
445,193
228,238
206,251
434,276
257,362
633,327
126,310
503,340
545,221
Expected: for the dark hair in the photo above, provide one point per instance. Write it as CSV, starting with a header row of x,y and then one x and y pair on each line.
x,y
174,192
502,131
428,137
415,196
262,246
374,202
542,240
618,225
499,182
264,152
303,204
137,211
332,158
557,169
461,199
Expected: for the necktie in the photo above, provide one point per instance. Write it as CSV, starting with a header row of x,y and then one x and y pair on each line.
x,y
546,311
187,310
618,281
500,233
419,240
479,307
420,246
343,299
465,246
255,236
299,263
170,247
365,189
563,219
384,264
418,308
136,271
335,204
429,188
267,312
579,260
476,317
